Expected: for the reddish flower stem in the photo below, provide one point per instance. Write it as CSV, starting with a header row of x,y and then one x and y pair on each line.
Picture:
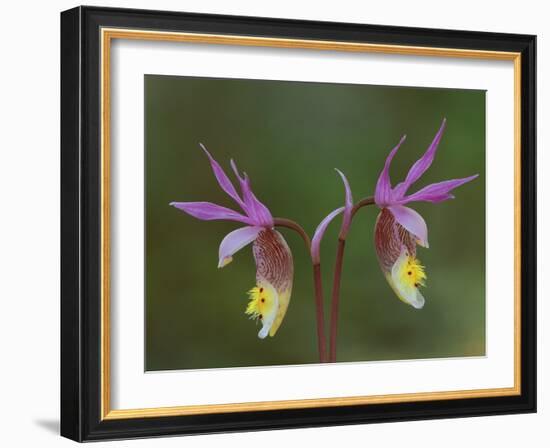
x,y
318,284
321,336
335,304
362,203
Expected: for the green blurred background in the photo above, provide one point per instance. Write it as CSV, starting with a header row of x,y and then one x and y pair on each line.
x,y
289,137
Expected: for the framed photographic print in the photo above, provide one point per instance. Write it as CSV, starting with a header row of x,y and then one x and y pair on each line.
x,y
274,224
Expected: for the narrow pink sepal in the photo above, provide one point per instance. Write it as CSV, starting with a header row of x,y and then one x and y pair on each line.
x,y
259,213
421,165
207,211
383,192
224,181
437,192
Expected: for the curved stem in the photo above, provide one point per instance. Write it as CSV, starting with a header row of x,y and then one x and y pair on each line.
x,y
318,285
335,304
362,203
289,224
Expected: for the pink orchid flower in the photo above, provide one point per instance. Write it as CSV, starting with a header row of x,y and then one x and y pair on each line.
x,y
399,229
270,297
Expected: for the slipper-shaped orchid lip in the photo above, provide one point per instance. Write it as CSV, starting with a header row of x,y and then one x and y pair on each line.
x,y
399,228
274,268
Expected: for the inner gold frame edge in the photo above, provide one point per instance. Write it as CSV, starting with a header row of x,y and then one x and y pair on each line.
x,y
107,34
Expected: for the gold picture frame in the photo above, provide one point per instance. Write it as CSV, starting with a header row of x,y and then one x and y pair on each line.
x,y
108,30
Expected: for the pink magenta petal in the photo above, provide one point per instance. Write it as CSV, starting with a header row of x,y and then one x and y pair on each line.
x,y
348,205
421,165
437,192
207,211
235,241
319,232
245,189
257,211
223,180
412,222
383,193
262,213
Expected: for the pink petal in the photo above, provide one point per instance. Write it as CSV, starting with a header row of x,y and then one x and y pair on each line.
x,y
347,207
421,165
222,179
262,213
383,192
319,232
257,211
235,241
207,211
245,188
412,222
437,192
